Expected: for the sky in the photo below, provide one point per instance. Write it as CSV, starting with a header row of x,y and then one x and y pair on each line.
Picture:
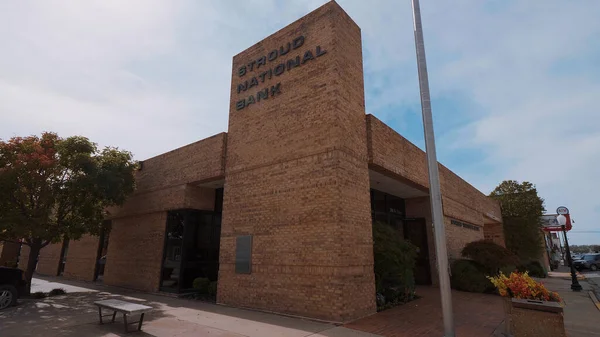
x,y
515,85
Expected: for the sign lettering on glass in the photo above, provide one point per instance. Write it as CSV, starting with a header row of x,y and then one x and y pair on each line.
x,y
395,211
266,67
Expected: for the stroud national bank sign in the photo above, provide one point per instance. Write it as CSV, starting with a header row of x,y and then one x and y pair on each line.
x,y
274,64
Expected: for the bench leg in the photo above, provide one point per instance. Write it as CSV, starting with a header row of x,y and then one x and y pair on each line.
x,y
125,321
114,315
140,323
100,314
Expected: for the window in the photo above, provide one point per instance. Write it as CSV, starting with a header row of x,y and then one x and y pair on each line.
x,y
590,257
378,201
395,205
386,207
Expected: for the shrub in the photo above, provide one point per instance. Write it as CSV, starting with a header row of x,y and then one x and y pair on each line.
x,y
394,263
508,269
201,284
490,256
56,292
39,294
469,276
212,288
533,268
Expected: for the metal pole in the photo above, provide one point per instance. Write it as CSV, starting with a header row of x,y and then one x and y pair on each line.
x,y
575,286
434,178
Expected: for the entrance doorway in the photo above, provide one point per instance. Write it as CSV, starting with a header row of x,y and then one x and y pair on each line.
x,y
101,253
63,257
415,231
191,249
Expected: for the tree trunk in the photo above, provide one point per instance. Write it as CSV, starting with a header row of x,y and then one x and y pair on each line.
x,y
34,251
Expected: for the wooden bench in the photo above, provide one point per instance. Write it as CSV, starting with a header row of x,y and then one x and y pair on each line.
x,y
126,308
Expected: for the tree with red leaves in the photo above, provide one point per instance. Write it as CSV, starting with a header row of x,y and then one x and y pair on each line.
x,y
53,189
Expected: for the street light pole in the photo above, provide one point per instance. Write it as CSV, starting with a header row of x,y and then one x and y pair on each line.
x,y
434,178
575,286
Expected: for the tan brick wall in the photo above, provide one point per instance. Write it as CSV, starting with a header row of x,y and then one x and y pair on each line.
x,y
297,179
167,182
23,257
81,258
459,211
144,202
199,161
391,152
305,256
164,199
9,252
495,232
201,198
49,259
135,251
457,237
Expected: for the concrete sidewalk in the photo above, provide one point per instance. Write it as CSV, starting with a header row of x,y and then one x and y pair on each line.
x,y
75,315
582,318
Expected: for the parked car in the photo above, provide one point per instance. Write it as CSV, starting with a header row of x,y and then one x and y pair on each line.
x,y
12,286
588,261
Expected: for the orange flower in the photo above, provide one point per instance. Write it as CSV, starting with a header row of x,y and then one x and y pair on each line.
x,y
522,286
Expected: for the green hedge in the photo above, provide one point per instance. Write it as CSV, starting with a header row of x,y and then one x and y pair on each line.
x,y
201,284
534,269
483,258
491,257
212,288
394,264
468,275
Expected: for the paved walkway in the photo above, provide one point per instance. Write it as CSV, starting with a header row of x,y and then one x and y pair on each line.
x,y
75,315
46,285
475,315
582,318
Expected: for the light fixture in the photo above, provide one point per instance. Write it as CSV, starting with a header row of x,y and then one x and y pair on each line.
x,y
562,220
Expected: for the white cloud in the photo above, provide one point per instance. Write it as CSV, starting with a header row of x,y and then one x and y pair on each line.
x,y
152,75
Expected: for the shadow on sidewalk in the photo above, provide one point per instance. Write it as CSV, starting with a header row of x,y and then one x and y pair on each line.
x,y
75,314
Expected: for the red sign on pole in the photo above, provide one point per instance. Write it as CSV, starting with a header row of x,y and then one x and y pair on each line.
x,y
550,224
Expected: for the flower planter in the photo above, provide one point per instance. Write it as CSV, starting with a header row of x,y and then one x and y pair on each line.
x,y
531,318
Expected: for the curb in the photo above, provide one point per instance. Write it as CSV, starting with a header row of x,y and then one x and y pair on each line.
x,y
594,299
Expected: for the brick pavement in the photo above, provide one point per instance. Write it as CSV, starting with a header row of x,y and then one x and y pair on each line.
x,y
475,315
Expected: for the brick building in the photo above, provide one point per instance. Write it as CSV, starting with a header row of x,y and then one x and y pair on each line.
x,y
9,254
279,209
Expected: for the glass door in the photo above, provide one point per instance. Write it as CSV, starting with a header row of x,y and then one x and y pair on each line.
x,y
201,248
415,231
172,256
191,249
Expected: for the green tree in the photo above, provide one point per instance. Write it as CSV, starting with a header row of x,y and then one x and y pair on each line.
x,y
579,249
521,212
53,188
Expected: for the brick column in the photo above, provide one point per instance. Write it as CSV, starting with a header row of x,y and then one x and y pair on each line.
x,y
296,173
82,258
